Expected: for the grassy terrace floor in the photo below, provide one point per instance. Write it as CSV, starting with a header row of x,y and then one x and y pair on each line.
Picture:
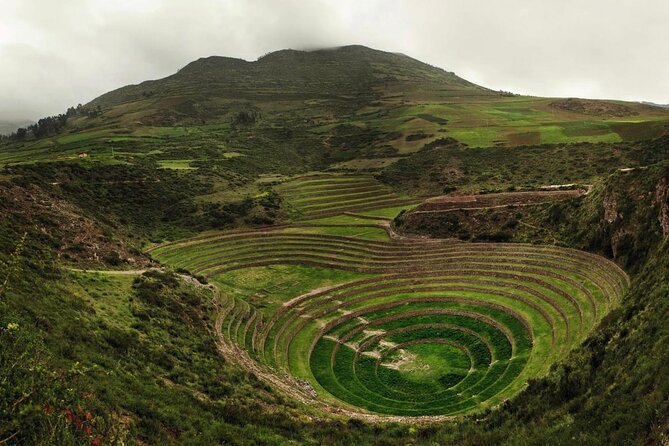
x,y
403,327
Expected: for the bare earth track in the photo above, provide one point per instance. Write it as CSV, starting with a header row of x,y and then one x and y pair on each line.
x,y
496,200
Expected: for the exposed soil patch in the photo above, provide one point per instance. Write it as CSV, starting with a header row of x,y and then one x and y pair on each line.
x,y
525,138
403,360
594,108
75,237
416,136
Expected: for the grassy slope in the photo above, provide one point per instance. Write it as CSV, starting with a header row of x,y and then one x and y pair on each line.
x,y
96,314
613,389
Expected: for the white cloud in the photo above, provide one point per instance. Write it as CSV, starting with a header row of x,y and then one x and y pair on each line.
x,y
56,54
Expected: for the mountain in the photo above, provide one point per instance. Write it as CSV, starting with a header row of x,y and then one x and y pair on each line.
x,y
8,126
349,76
329,106
653,104
287,86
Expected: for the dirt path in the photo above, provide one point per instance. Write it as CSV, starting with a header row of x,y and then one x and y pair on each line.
x,y
480,208
366,217
453,203
111,272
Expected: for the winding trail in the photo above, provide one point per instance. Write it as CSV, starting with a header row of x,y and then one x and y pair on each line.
x,y
112,272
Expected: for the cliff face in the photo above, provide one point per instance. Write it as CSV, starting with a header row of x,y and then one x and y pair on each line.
x,y
662,201
626,217
635,213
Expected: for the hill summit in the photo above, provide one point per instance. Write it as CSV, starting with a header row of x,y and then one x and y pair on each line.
x,y
347,77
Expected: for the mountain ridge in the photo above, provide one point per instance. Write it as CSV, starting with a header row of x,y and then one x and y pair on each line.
x,y
345,103
322,72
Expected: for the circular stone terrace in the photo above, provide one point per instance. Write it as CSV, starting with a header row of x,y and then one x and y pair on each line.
x,y
425,328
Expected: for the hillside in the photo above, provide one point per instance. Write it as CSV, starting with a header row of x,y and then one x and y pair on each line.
x,y
333,247
345,78
117,321
8,126
338,105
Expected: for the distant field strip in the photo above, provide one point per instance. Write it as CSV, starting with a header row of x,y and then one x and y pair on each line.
x,y
326,195
433,328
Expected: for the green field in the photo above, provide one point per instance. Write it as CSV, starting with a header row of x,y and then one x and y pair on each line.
x,y
487,122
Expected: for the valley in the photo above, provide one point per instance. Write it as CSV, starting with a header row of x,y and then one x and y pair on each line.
x,y
511,308
335,246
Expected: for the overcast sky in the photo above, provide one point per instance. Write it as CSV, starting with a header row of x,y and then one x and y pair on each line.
x,y
54,54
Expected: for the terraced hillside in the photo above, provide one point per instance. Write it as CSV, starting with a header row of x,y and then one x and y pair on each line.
x,y
402,327
325,195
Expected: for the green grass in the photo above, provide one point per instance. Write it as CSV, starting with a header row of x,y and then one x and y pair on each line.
x,y
345,220
269,287
389,212
350,231
176,164
107,294
494,121
433,362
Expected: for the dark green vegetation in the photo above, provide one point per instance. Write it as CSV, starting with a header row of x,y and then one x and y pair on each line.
x,y
607,220
446,165
277,182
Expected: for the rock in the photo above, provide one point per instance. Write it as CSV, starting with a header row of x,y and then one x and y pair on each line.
x,y
610,210
662,199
